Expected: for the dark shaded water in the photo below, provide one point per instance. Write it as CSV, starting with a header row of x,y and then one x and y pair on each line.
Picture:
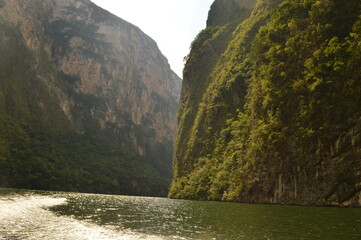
x,y
72,216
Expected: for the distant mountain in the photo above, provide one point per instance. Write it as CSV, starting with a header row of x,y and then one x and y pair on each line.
x,y
87,101
270,105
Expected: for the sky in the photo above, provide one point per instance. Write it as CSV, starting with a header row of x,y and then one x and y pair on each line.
x,y
173,24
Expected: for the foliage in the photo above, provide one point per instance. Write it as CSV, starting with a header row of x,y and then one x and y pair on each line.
x,y
36,156
51,133
280,109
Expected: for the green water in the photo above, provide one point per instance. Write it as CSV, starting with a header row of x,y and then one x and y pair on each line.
x,y
92,216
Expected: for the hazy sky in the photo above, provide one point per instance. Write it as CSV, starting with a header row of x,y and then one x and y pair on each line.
x,y
173,24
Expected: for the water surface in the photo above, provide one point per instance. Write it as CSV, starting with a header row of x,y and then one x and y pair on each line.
x,y
38,215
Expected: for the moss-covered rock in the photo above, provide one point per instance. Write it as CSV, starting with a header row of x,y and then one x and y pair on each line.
x,y
275,118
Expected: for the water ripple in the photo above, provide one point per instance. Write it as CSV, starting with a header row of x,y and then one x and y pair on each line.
x,y
29,218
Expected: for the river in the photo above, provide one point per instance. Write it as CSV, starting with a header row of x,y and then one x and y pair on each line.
x,y
35,215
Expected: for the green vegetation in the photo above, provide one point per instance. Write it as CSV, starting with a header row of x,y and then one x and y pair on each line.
x,y
276,119
53,135
36,156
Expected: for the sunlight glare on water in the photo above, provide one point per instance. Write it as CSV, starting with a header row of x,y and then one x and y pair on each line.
x,y
34,215
28,218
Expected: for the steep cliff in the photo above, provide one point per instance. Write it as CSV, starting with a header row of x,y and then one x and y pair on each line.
x,y
269,105
74,68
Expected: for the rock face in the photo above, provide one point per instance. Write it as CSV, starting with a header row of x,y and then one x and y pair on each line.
x,y
77,67
269,105
226,11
